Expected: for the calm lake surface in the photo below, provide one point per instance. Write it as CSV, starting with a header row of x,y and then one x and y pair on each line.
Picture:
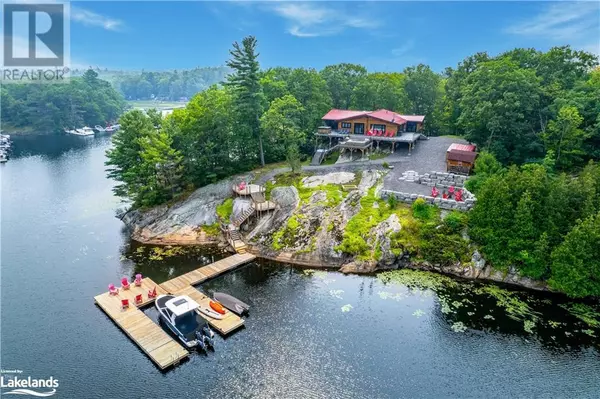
x,y
309,334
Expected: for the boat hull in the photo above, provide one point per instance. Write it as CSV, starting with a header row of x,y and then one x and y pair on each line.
x,y
235,305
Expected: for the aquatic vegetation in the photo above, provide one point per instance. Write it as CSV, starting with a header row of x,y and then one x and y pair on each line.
x,y
159,253
459,326
456,304
418,313
554,324
589,332
417,279
346,308
470,313
489,317
309,272
528,326
320,274
583,312
515,308
336,293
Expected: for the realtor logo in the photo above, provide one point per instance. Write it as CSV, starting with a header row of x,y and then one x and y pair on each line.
x,y
35,41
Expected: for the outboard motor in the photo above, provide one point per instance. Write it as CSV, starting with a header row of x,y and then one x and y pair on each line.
x,y
208,332
200,338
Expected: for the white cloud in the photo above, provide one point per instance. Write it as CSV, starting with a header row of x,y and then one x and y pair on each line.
x,y
90,18
317,19
562,21
404,48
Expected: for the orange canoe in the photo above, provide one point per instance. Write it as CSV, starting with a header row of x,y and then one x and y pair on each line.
x,y
217,307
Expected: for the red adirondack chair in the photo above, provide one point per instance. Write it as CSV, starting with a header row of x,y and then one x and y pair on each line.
x,y
138,280
434,192
138,299
444,195
152,293
124,303
113,290
125,283
451,189
458,195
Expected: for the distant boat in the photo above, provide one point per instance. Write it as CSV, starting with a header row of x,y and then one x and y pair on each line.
x,y
100,129
3,157
84,131
112,128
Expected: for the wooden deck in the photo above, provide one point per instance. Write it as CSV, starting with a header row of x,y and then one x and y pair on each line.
x,y
230,321
209,271
149,336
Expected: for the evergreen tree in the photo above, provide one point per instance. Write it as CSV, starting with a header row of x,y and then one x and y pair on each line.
x,y
245,81
576,262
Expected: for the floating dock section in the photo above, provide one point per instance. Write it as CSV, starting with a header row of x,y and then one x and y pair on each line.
x,y
149,336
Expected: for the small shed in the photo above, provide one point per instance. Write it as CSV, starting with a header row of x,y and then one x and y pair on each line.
x,y
460,158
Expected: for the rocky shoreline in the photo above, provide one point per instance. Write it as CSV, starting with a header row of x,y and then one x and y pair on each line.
x,y
304,229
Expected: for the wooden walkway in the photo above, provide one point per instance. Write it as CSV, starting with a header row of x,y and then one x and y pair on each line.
x,y
149,336
204,273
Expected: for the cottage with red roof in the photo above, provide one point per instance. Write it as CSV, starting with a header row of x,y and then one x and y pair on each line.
x,y
380,122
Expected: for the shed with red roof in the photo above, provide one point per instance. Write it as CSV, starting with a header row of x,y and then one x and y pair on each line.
x,y
460,158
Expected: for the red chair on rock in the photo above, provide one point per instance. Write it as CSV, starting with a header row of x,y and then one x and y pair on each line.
x,y
444,195
434,192
451,190
458,195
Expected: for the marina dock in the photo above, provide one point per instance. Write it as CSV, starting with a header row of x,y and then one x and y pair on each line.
x,y
149,336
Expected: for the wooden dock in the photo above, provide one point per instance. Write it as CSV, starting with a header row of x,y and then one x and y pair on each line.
x,y
149,336
206,272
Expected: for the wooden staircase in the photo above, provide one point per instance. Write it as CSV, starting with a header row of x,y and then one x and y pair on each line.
x,y
243,217
235,239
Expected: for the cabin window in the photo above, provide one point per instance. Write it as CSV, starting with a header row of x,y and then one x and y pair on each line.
x,y
380,128
346,125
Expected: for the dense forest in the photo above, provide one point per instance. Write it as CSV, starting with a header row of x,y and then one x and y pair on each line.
x,y
535,115
85,100
164,85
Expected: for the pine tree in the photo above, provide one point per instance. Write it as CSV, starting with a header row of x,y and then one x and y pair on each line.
x,y
245,81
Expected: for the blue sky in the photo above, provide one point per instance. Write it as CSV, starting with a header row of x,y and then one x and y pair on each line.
x,y
383,36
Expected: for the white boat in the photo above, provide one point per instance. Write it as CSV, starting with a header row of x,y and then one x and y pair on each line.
x,y
100,129
86,131
181,315
112,128
3,157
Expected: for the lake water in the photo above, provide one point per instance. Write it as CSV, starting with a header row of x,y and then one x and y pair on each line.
x,y
309,335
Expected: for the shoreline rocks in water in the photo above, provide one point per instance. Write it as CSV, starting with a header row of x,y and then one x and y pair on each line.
x,y
305,231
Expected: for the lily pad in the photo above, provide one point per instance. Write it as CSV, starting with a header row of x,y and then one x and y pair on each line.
x,y
346,308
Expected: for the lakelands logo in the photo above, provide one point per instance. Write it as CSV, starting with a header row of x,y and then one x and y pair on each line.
x,y
35,45
40,387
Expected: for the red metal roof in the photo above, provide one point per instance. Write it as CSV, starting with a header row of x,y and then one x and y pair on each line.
x,y
463,156
339,114
388,116
381,114
461,147
414,118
